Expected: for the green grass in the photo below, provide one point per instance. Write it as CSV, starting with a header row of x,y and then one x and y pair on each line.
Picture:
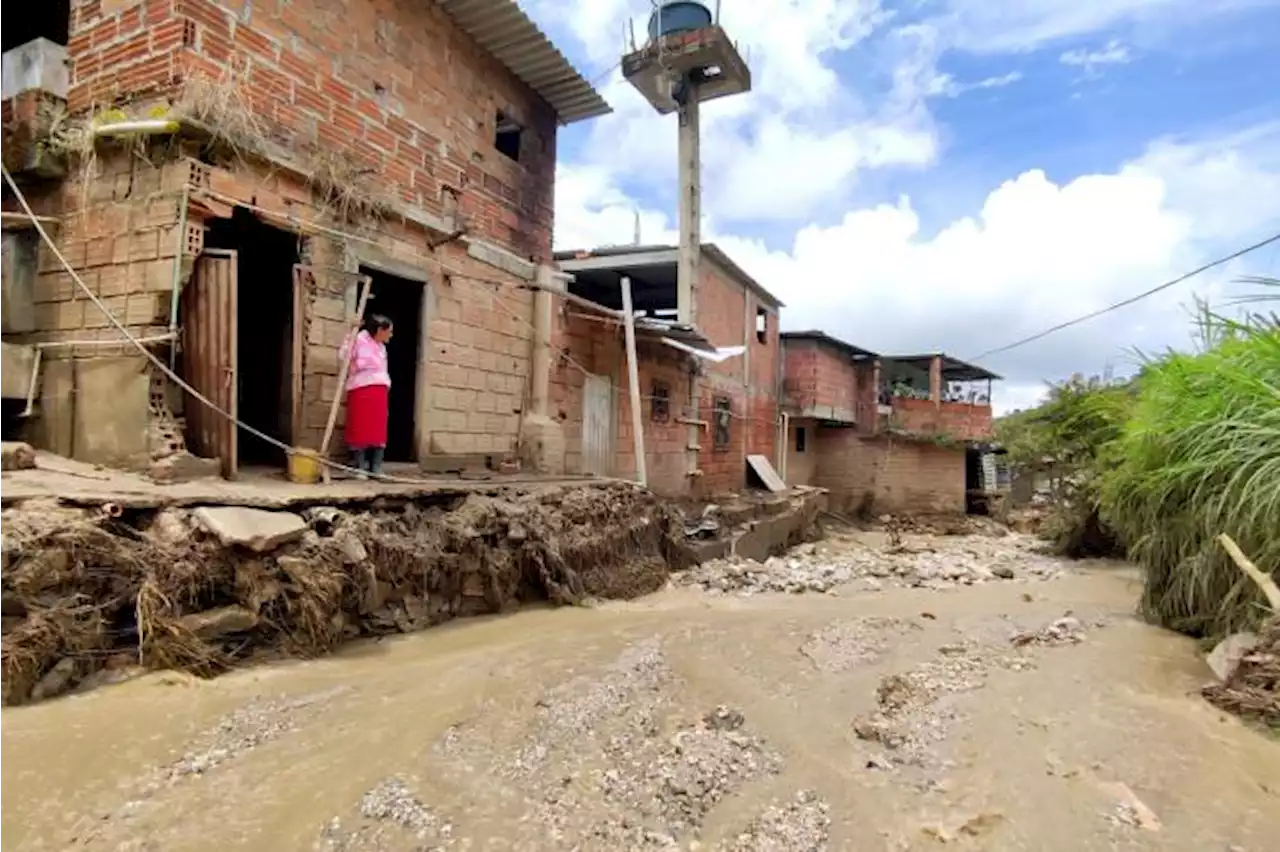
x,y
1199,455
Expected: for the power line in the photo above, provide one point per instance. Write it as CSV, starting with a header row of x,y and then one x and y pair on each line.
x,y
1129,301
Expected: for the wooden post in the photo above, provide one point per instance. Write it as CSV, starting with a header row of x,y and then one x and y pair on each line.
x,y
343,369
633,376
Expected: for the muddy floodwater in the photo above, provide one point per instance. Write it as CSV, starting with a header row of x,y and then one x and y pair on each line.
x,y
893,703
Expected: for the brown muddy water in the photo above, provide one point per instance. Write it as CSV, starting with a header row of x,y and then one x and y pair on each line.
x,y
883,715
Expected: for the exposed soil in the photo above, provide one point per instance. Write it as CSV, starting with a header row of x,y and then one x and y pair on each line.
x,y
971,712
89,597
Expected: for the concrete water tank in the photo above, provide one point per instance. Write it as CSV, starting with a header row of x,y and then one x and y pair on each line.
x,y
678,17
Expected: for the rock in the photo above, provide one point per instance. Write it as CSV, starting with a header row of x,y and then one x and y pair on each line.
x,y
214,623
169,527
183,467
1226,655
353,550
16,455
11,550
55,681
256,529
1004,572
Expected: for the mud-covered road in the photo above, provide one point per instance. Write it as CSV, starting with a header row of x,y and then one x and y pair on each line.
x,y
962,693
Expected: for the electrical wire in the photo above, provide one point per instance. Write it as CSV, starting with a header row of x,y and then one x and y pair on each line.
x,y
1129,301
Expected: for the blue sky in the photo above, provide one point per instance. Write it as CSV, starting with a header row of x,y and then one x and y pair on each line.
x,y
950,175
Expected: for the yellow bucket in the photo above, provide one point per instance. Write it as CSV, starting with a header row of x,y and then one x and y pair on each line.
x,y
304,467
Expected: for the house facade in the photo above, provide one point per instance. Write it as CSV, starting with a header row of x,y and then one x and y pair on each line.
x,y
709,387
231,178
884,434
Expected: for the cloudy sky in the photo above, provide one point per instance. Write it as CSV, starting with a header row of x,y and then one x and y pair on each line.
x,y
953,175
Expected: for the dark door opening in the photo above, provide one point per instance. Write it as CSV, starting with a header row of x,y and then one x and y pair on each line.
x,y
264,319
975,502
400,300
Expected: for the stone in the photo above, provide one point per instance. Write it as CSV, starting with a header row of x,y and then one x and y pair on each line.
x,y
170,527
1226,655
182,466
17,455
353,550
214,623
1004,572
55,681
256,529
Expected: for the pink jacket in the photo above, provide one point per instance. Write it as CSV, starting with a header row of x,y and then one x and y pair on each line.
x,y
368,362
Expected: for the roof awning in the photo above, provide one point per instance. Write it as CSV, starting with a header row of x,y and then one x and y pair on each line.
x,y
687,339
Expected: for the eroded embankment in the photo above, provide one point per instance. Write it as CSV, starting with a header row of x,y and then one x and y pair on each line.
x,y
87,595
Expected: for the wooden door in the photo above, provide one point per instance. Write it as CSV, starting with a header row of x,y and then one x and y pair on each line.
x,y
209,342
597,426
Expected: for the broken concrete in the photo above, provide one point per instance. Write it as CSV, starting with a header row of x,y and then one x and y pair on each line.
x,y
256,529
16,455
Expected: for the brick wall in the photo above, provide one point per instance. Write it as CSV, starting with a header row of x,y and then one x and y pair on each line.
x,y
821,379
961,421
599,348
883,474
394,84
726,314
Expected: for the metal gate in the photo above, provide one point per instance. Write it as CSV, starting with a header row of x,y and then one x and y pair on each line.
x,y
209,356
304,282
597,426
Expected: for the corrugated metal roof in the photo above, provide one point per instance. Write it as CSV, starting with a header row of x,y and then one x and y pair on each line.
x,y
502,28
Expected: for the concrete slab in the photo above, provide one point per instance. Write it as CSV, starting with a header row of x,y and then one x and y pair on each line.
x,y
82,484
257,529
767,474
708,53
112,411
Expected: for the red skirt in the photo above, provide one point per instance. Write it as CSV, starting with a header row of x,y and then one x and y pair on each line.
x,y
367,416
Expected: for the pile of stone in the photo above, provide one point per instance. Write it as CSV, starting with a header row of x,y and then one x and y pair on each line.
x,y
936,563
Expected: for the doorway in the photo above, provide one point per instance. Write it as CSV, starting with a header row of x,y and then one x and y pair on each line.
x,y
264,331
399,300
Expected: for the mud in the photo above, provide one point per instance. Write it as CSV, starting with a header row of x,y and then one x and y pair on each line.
x,y
85,591
906,717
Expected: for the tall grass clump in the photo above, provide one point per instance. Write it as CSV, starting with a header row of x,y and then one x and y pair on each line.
x,y
1198,456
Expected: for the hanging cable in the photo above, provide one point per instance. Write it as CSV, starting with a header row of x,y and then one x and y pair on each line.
x,y
1129,301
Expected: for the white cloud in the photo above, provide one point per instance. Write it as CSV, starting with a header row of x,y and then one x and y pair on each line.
x,y
1035,254
1111,53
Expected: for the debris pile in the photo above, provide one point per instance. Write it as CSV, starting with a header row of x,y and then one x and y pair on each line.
x,y
609,763
1063,631
203,590
1251,689
941,563
801,825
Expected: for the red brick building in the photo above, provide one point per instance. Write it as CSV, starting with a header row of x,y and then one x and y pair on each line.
x,y
882,434
709,388
226,176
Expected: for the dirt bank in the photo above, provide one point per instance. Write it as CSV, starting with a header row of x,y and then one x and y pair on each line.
x,y
88,595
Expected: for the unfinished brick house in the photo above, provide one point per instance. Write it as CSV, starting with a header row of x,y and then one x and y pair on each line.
x,y
885,434
709,387
227,176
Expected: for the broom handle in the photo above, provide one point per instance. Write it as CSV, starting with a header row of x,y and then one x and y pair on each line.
x,y
343,369
1265,583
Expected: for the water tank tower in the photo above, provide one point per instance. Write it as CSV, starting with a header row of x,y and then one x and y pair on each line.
x,y
687,59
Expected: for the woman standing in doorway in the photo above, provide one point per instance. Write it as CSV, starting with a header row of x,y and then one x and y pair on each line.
x,y
368,389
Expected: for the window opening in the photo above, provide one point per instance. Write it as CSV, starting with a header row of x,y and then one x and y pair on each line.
x,y
800,439
507,136
762,325
723,415
660,404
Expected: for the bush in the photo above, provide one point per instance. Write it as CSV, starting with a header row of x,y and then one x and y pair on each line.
x,y
1199,456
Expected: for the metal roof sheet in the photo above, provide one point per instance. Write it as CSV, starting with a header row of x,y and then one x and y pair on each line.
x,y
502,28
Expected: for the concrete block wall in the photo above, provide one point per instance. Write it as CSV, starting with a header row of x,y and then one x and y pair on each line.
x,y
396,85
884,474
118,228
